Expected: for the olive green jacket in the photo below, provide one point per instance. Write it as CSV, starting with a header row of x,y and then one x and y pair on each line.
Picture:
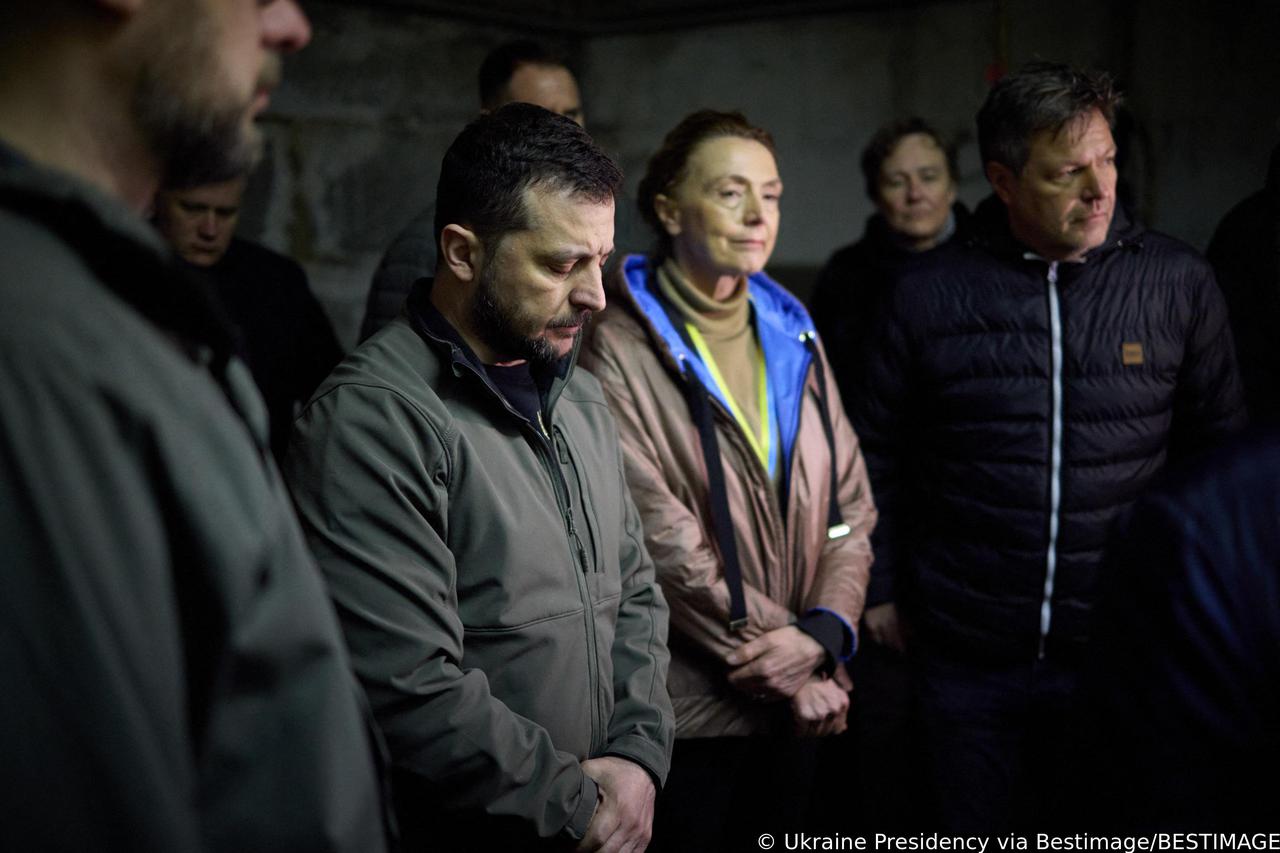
x,y
491,578
175,678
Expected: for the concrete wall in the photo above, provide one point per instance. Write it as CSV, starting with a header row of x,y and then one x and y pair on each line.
x,y
821,85
357,130
354,140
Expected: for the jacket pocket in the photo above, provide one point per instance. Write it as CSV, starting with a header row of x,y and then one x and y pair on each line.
x,y
604,587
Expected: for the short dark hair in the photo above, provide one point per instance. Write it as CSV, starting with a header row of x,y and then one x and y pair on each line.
x,y
501,154
501,64
667,166
1040,96
887,137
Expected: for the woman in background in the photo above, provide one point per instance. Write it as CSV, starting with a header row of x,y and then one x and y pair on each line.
x,y
909,172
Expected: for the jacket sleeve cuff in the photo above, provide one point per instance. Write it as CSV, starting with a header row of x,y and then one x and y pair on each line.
x,y
651,756
576,828
880,587
832,632
657,783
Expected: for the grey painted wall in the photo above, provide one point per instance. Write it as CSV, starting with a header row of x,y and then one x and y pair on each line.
x,y
357,130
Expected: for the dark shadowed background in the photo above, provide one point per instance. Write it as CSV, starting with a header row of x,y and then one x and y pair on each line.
x,y
356,132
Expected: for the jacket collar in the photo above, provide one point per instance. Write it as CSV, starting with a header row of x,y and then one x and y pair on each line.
x,y
782,324
440,334
38,190
637,289
124,252
991,231
885,242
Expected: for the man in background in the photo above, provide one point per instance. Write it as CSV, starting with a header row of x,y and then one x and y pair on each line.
x,y
518,71
1018,396
284,333
175,676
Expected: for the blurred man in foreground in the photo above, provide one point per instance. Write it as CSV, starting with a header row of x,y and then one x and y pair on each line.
x,y
176,680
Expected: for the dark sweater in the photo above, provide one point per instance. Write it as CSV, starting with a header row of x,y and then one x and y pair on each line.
x,y
853,284
284,333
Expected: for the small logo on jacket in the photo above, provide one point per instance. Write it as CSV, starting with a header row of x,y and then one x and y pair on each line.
x,y
1131,353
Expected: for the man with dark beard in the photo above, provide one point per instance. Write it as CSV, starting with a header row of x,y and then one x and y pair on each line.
x,y
175,676
461,486
521,70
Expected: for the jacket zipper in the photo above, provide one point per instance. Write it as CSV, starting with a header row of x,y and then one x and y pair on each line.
x,y
787,473
564,500
1055,456
564,497
558,483
566,458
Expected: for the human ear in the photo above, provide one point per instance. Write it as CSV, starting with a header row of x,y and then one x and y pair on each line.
x,y
951,190
1002,180
668,213
461,252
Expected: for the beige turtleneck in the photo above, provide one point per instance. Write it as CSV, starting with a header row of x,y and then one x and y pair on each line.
x,y
725,326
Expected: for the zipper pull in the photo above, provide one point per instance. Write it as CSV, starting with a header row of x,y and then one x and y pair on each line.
x,y
562,447
577,542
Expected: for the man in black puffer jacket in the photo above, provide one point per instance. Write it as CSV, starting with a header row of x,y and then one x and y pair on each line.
x,y
1018,396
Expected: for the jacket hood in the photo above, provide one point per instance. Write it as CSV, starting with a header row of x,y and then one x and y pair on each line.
x,y
782,323
772,303
436,331
990,230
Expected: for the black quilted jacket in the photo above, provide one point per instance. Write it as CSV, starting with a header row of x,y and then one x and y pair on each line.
x,y
1011,408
